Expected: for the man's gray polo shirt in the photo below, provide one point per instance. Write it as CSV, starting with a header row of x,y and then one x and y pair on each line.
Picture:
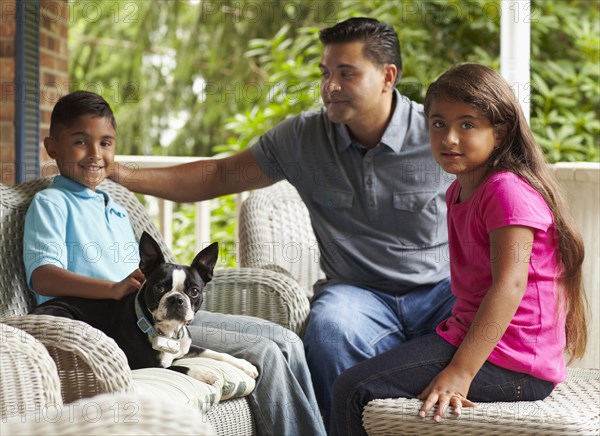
x,y
379,215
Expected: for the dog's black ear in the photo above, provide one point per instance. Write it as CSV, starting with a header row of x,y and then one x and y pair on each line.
x,y
206,260
150,254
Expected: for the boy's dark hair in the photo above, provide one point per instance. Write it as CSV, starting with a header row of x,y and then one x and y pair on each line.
x,y
76,104
381,40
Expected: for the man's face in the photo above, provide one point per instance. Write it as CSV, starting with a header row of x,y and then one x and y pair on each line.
x,y
84,151
352,86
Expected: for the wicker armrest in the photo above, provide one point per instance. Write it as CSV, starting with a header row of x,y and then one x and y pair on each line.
x,y
258,292
28,374
116,414
571,409
88,361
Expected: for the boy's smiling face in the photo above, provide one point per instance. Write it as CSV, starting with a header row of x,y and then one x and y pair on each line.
x,y
85,150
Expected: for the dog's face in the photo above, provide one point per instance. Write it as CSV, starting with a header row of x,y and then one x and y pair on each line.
x,y
173,293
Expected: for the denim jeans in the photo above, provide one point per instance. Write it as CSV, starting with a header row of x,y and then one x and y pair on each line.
x,y
349,324
406,371
283,401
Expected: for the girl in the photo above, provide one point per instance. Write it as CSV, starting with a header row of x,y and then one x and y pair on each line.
x,y
515,260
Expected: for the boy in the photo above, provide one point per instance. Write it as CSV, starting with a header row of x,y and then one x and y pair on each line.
x,y
77,241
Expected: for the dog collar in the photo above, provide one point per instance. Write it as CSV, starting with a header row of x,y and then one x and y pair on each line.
x,y
143,323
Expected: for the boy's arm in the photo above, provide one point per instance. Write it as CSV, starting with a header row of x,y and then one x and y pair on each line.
x,y
53,281
196,181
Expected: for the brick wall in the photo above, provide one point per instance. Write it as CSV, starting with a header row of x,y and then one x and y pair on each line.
x,y
7,76
54,68
54,76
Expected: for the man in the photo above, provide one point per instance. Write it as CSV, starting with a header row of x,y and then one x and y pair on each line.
x,y
375,197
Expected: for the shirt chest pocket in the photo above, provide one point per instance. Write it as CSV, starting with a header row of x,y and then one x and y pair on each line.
x,y
417,217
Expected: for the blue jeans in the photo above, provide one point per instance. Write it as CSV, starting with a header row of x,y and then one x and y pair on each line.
x,y
349,324
406,371
283,401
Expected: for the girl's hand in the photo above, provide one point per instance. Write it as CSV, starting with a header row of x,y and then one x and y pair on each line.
x,y
128,285
448,388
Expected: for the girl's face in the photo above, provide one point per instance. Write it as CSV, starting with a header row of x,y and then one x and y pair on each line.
x,y
462,139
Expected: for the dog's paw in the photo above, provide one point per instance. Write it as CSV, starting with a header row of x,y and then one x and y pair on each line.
x,y
204,375
247,367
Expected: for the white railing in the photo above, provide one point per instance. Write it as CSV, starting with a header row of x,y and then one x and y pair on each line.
x,y
163,209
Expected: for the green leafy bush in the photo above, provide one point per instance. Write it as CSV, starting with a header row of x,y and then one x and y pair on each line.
x,y
435,35
278,54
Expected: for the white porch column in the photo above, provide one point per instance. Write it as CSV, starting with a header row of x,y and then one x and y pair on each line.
x,y
515,46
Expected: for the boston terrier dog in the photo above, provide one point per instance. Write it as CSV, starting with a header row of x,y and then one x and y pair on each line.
x,y
150,326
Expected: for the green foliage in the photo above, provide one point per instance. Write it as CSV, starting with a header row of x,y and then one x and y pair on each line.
x,y
231,70
173,70
434,35
565,64
223,228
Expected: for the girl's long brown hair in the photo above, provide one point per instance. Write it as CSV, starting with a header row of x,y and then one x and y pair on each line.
x,y
485,90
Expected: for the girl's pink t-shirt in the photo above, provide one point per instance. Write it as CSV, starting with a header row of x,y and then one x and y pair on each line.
x,y
535,338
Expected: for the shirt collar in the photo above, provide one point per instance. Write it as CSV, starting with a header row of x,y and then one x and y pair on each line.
x,y
394,133
396,129
77,189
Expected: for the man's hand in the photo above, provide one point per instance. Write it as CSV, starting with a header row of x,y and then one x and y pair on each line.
x,y
120,173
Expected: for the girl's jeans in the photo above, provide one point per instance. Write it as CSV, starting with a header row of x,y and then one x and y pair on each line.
x,y
349,324
406,371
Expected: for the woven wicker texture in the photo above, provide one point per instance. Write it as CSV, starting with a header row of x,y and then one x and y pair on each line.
x,y
258,292
28,374
140,220
15,201
274,228
120,414
220,418
88,362
572,409
96,365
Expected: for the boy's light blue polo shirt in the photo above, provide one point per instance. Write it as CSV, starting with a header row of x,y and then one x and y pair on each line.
x,y
72,227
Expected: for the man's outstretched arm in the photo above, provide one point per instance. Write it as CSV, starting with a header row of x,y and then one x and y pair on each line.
x,y
196,181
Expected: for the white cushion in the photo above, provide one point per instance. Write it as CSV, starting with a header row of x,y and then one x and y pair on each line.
x,y
177,387
236,383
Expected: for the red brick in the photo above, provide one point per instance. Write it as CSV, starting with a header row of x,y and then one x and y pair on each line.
x,y
7,107
7,152
7,133
7,69
8,27
7,48
54,73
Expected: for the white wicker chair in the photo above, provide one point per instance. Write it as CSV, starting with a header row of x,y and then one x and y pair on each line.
x,y
118,414
273,219
28,374
275,233
31,403
88,368
572,409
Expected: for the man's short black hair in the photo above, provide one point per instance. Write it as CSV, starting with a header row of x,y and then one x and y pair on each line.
x,y
381,40
76,104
